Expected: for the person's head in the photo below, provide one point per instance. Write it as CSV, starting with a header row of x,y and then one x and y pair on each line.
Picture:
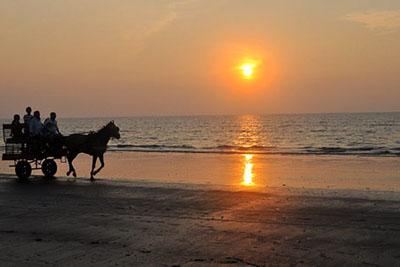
x,y
53,115
16,117
36,114
28,110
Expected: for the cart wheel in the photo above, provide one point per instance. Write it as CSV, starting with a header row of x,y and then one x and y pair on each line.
x,y
23,169
49,168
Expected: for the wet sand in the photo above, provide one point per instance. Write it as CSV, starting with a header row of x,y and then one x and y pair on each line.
x,y
329,172
107,223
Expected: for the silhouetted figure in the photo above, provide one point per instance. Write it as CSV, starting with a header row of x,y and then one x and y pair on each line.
x,y
27,118
50,124
35,125
53,135
16,128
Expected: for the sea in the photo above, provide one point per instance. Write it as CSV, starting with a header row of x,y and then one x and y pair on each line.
x,y
366,134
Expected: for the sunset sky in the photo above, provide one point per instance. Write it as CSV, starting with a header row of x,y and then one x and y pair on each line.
x,y
122,58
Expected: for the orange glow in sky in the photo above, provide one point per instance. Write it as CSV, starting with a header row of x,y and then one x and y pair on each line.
x,y
246,71
183,62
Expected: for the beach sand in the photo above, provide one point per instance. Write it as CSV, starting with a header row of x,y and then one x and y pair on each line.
x,y
328,172
108,223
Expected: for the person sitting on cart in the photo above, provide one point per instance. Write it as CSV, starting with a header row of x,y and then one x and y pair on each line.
x,y
50,125
36,128
36,141
16,129
54,137
27,118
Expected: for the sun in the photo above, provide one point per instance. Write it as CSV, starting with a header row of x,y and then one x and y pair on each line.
x,y
248,68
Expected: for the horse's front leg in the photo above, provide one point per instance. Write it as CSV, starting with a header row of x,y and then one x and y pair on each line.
x,y
70,158
101,158
92,172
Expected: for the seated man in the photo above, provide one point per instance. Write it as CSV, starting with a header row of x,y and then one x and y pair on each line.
x,y
35,125
55,139
50,125
16,129
36,141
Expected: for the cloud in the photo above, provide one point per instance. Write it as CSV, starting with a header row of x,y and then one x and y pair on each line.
x,y
156,23
382,21
172,14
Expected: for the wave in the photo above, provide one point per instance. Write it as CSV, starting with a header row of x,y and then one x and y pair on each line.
x,y
355,151
242,148
258,149
153,146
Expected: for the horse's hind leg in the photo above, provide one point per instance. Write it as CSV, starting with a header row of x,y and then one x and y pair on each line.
x,y
101,158
70,158
92,173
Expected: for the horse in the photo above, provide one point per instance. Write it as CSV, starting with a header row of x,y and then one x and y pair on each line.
x,y
94,144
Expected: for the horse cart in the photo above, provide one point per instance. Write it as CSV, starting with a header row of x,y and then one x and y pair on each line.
x,y
29,154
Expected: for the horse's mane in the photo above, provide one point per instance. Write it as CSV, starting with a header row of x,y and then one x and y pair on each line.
x,y
100,130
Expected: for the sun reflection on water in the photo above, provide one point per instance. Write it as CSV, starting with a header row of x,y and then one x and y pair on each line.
x,y
248,139
248,171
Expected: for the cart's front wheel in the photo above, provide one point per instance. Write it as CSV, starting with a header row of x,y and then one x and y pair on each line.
x,y
23,169
49,168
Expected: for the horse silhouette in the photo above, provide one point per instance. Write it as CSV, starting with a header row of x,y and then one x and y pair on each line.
x,y
94,144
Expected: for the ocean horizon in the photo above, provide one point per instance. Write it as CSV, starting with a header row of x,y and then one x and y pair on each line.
x,y
372,134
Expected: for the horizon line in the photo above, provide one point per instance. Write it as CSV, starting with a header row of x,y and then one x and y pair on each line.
x,y
215,115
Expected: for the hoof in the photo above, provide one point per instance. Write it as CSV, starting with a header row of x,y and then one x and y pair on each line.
x,y
74,174
92,179
68,173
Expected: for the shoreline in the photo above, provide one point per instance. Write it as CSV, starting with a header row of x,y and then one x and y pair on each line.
x,y
138,149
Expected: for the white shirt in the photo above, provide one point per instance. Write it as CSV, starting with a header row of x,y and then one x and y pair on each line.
x,y
51,126
35,127
27,119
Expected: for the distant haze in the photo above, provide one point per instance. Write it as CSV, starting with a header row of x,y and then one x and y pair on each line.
x,y
157,57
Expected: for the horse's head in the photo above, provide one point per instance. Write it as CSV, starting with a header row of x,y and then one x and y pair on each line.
x,y
113,130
